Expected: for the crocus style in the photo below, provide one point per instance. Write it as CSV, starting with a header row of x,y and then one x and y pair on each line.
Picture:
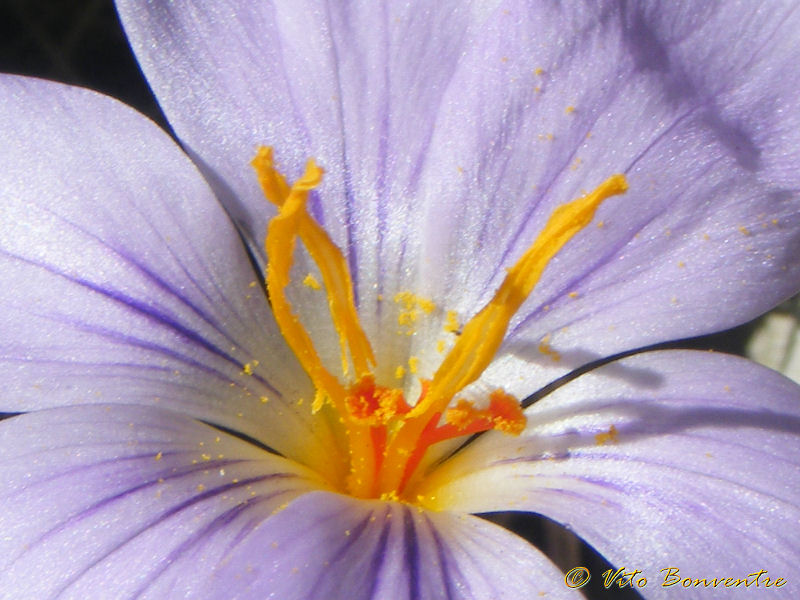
x,y
595,178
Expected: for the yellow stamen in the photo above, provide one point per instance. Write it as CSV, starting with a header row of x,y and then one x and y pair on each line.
x,y
387,437
293,221
483,334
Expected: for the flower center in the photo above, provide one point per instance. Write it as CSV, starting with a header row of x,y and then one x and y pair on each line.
x,y
388,437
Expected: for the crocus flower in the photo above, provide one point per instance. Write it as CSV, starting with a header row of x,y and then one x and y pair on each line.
x,y
453,205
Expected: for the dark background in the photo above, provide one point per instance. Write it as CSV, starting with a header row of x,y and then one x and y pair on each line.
x,y
73,41
81,42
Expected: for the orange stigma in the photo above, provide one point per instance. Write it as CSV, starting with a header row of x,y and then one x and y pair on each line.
x,y
387,437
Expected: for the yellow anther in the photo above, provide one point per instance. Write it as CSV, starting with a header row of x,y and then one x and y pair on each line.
x,y
609,437
484,333
546,349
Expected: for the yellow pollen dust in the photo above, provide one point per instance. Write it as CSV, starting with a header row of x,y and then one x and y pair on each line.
x,y
412,307
547,349
311,282
451,324
609,437
413,364
387,436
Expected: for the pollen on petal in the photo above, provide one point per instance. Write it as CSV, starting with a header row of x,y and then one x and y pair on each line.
x,y
451,324
412,308
609,437
546,349
311,282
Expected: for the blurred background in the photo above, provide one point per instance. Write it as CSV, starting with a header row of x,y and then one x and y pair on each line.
x,y
81,42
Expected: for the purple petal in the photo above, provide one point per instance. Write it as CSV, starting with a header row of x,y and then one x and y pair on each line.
x,y
141,502
449,138
120,501
326,546
122,279
702,471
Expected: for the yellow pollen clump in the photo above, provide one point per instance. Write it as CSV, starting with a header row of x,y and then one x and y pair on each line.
x,y
451,324
502,413
545,348
311,282
247,369
387,438
413,364
413,307
609,437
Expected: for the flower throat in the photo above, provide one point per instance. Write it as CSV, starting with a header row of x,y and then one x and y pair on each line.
x,y
387,437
